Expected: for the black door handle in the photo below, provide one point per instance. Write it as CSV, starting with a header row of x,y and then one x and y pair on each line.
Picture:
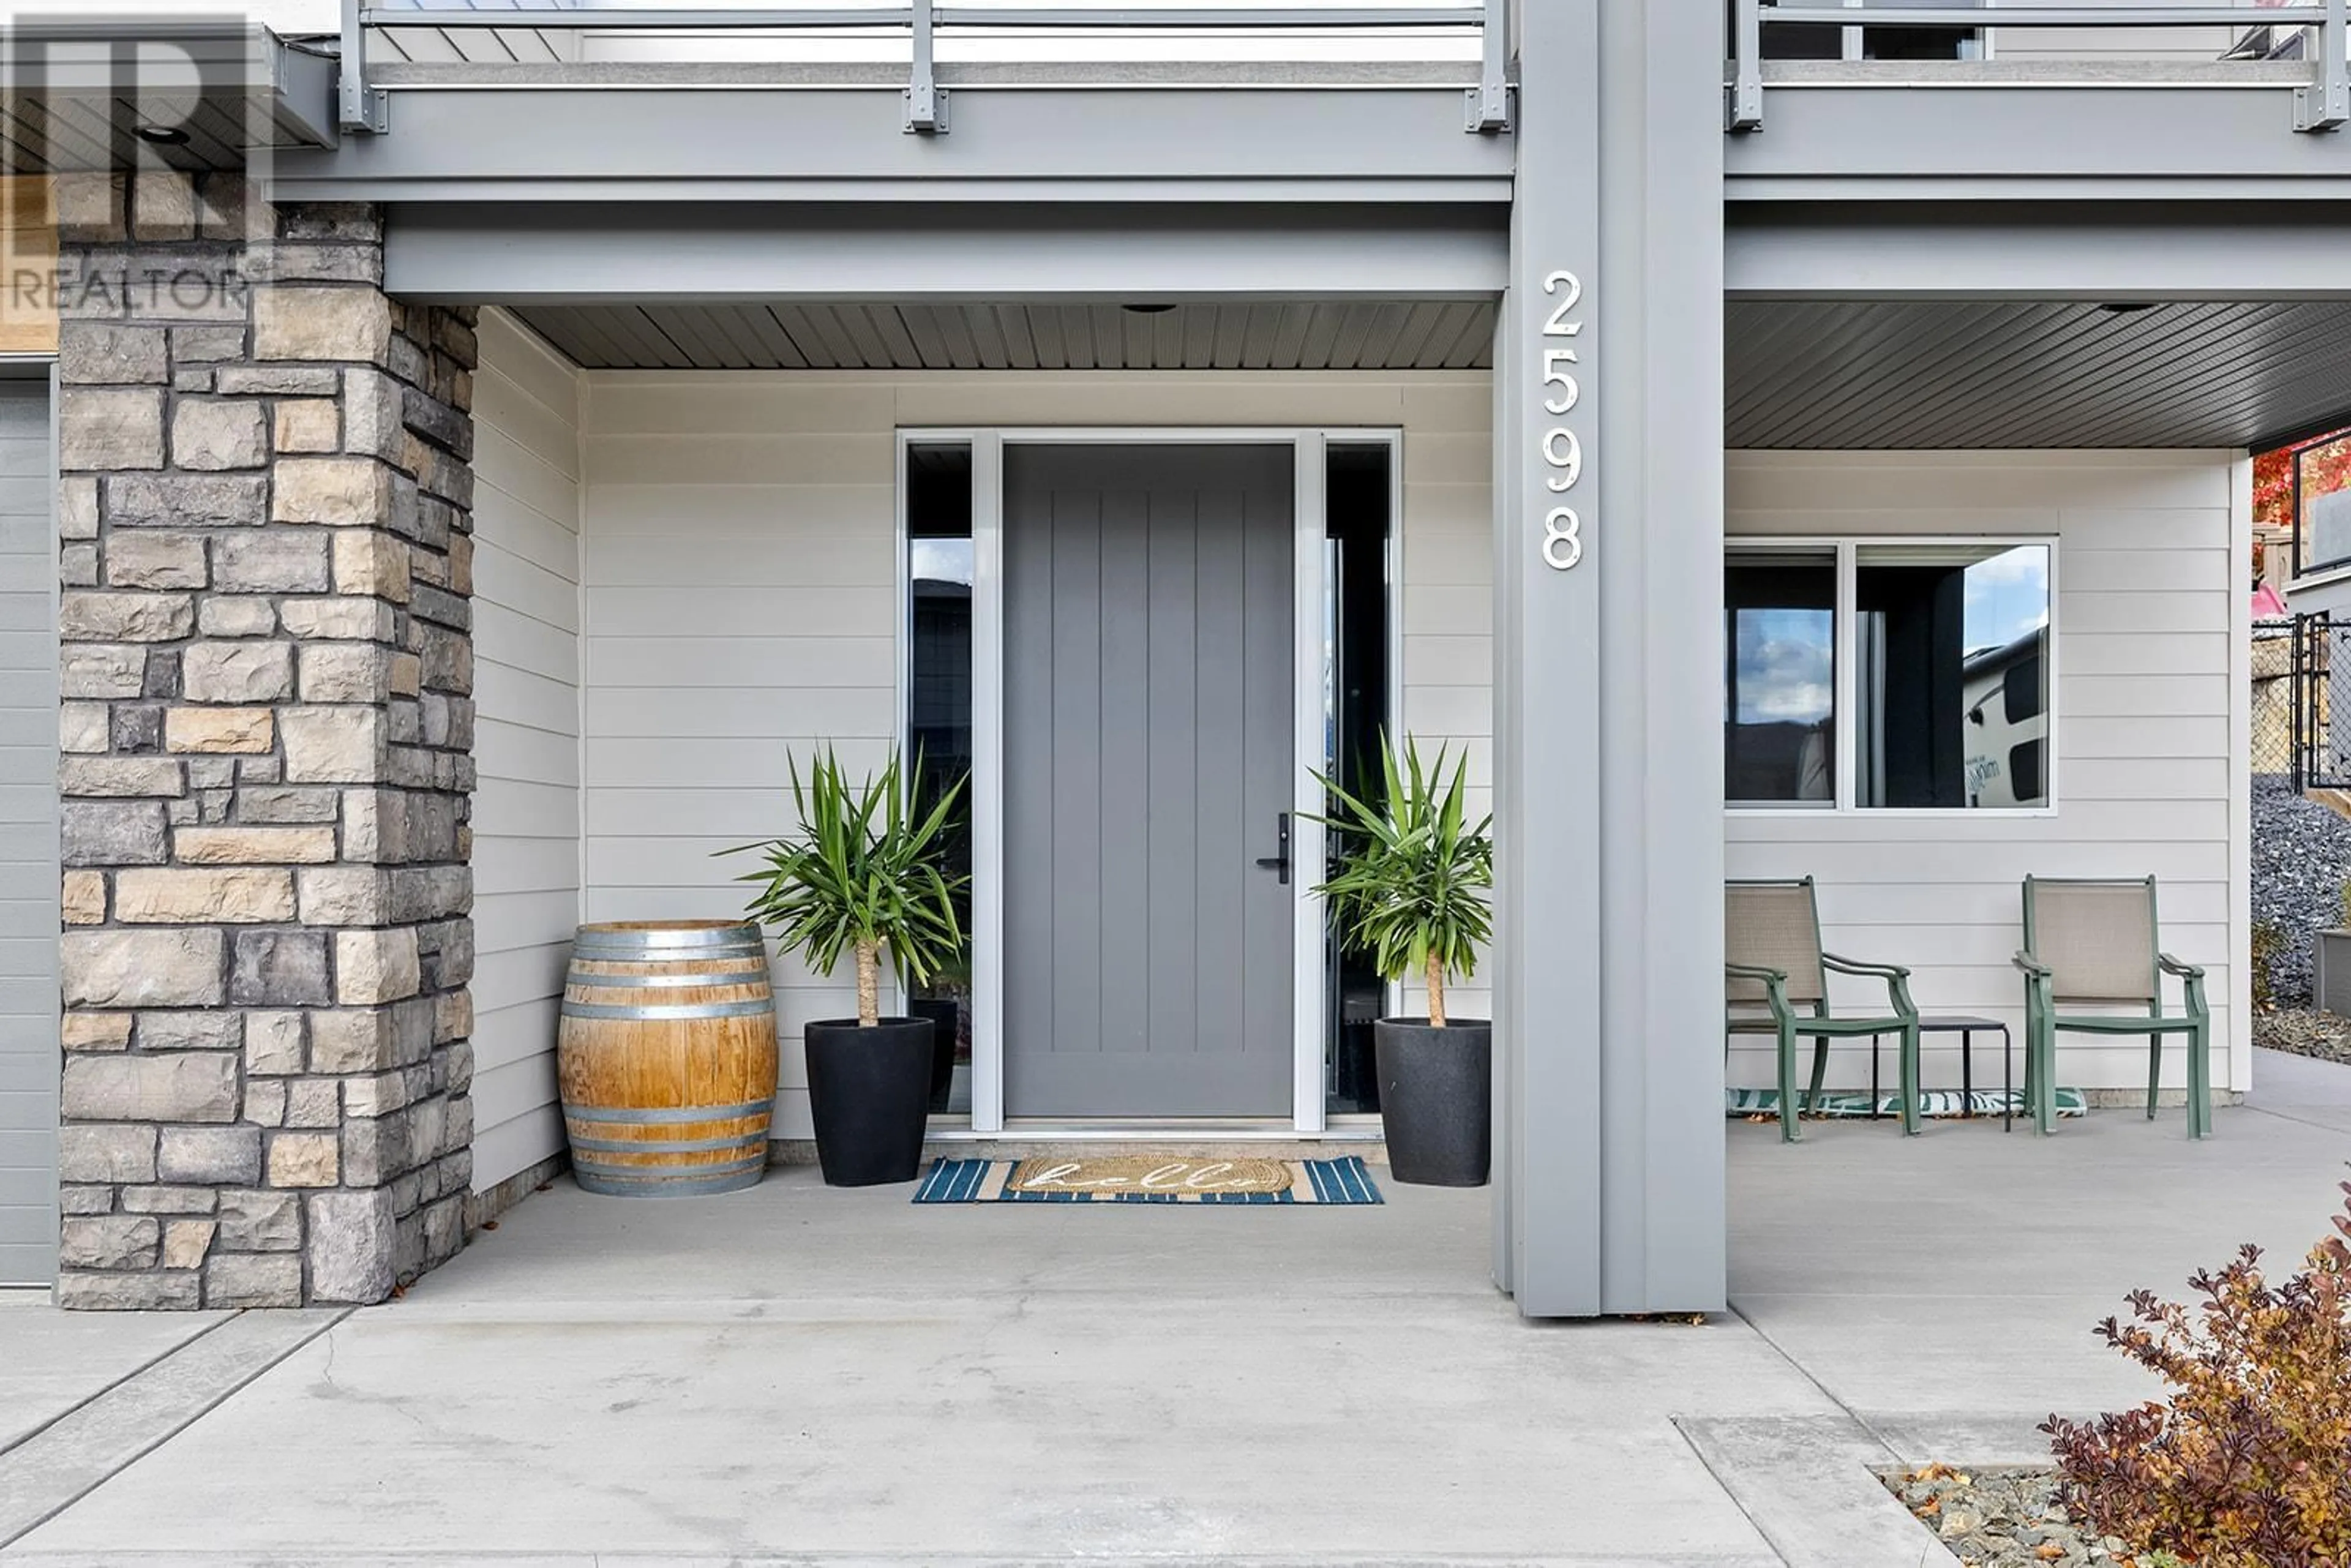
x,y
1280,863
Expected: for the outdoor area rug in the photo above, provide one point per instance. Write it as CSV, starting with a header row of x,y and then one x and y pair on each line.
x,y
1932,1103
1146,1178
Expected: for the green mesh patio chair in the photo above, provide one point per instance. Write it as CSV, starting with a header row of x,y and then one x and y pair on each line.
x,y
2094,944
1774,965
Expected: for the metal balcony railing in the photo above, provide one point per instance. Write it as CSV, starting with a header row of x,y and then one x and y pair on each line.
x,y
361,105
2324,104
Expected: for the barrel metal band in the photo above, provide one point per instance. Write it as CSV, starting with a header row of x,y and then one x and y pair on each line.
x,y
666,1146
640,941
726,977
658,1011
667,1113
639,953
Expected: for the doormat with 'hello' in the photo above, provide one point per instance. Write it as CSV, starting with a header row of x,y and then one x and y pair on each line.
x,y
1147,1178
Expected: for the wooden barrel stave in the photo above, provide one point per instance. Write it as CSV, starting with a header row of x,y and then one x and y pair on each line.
x,y
666,1054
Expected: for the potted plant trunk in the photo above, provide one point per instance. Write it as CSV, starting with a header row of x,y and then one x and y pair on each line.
x,y
1410,886
862,877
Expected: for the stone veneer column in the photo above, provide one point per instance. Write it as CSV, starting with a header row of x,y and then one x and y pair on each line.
x,y
267,730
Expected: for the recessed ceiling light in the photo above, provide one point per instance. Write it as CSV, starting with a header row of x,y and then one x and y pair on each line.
x,y
1148,309
2127,306
163,135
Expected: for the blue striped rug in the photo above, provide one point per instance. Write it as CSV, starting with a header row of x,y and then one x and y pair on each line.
x,y
1078,1178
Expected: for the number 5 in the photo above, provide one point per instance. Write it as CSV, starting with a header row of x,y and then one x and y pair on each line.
x,y
1555,375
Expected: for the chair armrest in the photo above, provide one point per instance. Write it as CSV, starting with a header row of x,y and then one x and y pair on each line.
x,y
2186,971
2033,967
1856,967
1754,972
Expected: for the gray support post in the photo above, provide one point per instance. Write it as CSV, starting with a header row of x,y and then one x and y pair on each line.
x,y
926,101
1608,773
1743,108
1489,100
357,106
2325,104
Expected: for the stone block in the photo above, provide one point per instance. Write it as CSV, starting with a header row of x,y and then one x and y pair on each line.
x,y
253,1279
308,424
204,1029
81,1291
259,1220
207,345
453,1018
187,500
96,1031
112,833
214,1155
218,433
354,619
227,209
278,380
300,322
243,895
343,895
349,1246
106,1153
109,352
101,615
304,1159
337,492
162,205
169,1200
346,672
368,560
110,428
219,729
236,616
125,969
121,777
255,846
265,1101
155,560
97,672
334,745
313,1102
375,967
186,1242
77,1198
278,970
192,1086
137,729
83,901
357,1040
286,803
377,1094
82,726
271,560
78,566
273,1043
236,673
78,508
288,262
109,1242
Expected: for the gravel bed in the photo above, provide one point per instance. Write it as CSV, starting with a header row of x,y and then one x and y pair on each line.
x,y
2305,1033
2302,855
2005,1519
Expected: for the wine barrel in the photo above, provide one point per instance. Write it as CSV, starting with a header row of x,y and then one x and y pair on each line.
x,y
666,1056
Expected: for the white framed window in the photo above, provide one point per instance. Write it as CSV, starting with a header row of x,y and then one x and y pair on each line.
x,y
1889,674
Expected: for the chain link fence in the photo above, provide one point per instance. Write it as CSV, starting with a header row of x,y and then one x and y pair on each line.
x,y
2302,723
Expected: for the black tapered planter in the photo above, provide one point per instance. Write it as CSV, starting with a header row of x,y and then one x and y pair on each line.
x,y
1437,1099
945,1019
869,1091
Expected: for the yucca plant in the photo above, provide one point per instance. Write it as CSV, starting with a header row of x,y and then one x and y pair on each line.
x,y
862,874
1413,872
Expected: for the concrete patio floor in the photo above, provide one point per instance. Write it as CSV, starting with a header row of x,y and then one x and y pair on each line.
x,y
813,1376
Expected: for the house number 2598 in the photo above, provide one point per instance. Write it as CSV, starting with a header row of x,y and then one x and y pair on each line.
x,y
1563,449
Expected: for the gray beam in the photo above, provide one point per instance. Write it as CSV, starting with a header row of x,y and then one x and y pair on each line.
x,y
2140,251
655,143
578,254
1901,137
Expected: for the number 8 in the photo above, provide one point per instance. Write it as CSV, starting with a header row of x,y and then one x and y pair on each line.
x,y
1563,526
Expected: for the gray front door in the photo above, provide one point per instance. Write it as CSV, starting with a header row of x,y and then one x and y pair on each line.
x,y
28,838
1148,712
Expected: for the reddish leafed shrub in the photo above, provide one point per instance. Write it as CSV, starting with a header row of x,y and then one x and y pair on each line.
x,y
2249,1464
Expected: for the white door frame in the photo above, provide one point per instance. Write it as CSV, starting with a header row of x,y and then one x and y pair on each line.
x,y
1310,686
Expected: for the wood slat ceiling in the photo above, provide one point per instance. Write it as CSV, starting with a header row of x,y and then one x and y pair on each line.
x,y
1818,374
1362,335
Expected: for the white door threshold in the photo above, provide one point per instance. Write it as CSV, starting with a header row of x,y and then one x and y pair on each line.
x,y
1206,1131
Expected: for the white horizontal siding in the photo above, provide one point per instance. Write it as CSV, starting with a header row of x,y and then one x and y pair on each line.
x,y
2150,705
527,674
742,593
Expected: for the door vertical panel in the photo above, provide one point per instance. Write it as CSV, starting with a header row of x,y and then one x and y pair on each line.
x,y
1125,746
1074,758
1220,811
1270,709
1173,695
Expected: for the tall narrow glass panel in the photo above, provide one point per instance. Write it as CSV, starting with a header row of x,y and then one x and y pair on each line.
x,y
938,574
1779,701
